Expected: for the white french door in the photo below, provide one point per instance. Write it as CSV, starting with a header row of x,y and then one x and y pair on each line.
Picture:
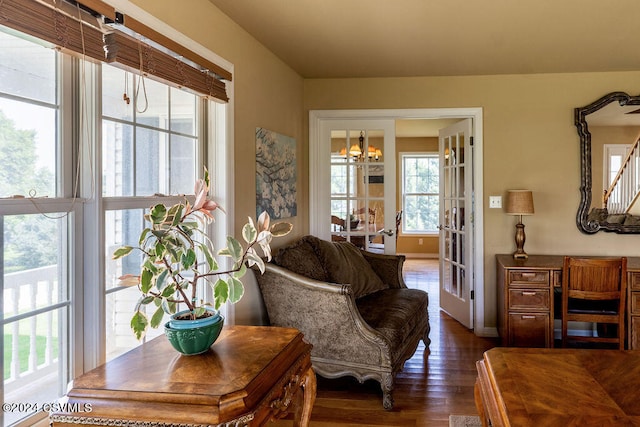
x,y
456,225
319,191
359,195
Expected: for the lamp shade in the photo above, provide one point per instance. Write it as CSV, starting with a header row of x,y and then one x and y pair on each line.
x,y
519,202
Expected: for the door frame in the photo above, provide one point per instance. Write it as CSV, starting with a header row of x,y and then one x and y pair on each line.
x,y
317,185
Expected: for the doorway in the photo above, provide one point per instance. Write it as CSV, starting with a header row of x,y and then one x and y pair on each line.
x,y
319,150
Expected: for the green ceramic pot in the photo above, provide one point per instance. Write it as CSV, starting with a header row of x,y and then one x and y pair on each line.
x,y
194,340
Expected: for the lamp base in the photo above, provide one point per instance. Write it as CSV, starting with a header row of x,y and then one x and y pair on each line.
x,y
520,238
522,255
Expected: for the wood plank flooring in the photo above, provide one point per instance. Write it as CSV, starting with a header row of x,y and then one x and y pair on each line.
x,y
433,384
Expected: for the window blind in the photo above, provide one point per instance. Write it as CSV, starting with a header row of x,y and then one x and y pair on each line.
x,y
95,30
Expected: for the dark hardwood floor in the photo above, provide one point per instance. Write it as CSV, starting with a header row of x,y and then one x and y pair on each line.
x,y
432,385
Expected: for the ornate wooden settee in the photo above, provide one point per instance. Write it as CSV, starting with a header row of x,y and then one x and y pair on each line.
x,y
352,305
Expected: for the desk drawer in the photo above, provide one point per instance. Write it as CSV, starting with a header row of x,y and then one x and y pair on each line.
x,y
635,303
529,278
529,299
634,281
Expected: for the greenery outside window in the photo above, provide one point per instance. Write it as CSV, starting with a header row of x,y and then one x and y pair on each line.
x,y
420,192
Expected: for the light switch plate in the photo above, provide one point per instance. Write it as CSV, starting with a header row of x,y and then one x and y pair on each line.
x,y
495,202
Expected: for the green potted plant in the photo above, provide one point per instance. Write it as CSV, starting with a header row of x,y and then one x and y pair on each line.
x,y
178,258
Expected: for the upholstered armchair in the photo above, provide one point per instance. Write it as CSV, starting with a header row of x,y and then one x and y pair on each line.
x,y
353,306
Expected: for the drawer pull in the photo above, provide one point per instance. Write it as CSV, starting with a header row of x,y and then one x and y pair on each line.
x,y
529,274
525,317
528,293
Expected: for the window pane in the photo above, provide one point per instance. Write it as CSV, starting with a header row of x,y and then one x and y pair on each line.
x,y
117,159
34,361
421,213
145,160
27,69
183,165
421,189
34,279
117,88
151,162
122,227
152,106
119,308
183,112
28,132
27,149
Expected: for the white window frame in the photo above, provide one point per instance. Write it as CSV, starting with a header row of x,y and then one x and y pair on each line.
x,y
401,158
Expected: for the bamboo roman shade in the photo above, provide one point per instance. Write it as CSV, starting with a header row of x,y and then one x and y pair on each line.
x,y
96,30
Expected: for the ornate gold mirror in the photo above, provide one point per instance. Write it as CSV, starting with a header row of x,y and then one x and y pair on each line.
x,y
609,131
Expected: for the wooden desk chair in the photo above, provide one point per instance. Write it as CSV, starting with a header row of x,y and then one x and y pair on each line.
x,y
370,218
337,226
398,222
594,290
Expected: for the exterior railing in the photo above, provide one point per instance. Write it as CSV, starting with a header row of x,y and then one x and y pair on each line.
x,y
27,295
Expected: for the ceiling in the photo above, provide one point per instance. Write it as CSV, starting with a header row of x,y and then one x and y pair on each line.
x,y
402,38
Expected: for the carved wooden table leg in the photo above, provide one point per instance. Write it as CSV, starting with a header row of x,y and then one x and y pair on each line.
x,y
308,385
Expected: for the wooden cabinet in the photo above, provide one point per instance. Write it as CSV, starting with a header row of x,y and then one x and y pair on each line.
x,y
633,311
526,299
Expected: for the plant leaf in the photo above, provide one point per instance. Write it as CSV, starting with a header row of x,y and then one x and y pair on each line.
x,y
254,259
168,307
156,319
235,248
161,281
220,293
211,261
241,272
145,280
122,251
236,290
168,291
249,232
188,259
158,213
139,324
281,229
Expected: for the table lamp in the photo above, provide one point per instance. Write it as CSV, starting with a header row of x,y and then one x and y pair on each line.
x,y
520,202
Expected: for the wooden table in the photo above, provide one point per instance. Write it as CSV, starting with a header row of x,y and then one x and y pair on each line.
x,y
558,387
250,375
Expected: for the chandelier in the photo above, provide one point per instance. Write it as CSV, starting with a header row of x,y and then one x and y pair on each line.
x,y
357,151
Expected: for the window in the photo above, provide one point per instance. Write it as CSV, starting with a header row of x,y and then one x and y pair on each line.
x,y
420,188
63,311
150,148
35,233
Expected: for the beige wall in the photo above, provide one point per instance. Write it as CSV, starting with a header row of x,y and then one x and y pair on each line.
x,y
530,141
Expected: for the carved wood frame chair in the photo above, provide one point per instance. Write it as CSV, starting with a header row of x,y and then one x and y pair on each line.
x,y
594,290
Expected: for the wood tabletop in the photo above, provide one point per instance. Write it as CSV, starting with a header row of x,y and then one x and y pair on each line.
x,y
560,387
234,377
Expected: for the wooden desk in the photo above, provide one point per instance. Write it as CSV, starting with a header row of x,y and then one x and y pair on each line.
x,y
558,387
525,290
249,376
